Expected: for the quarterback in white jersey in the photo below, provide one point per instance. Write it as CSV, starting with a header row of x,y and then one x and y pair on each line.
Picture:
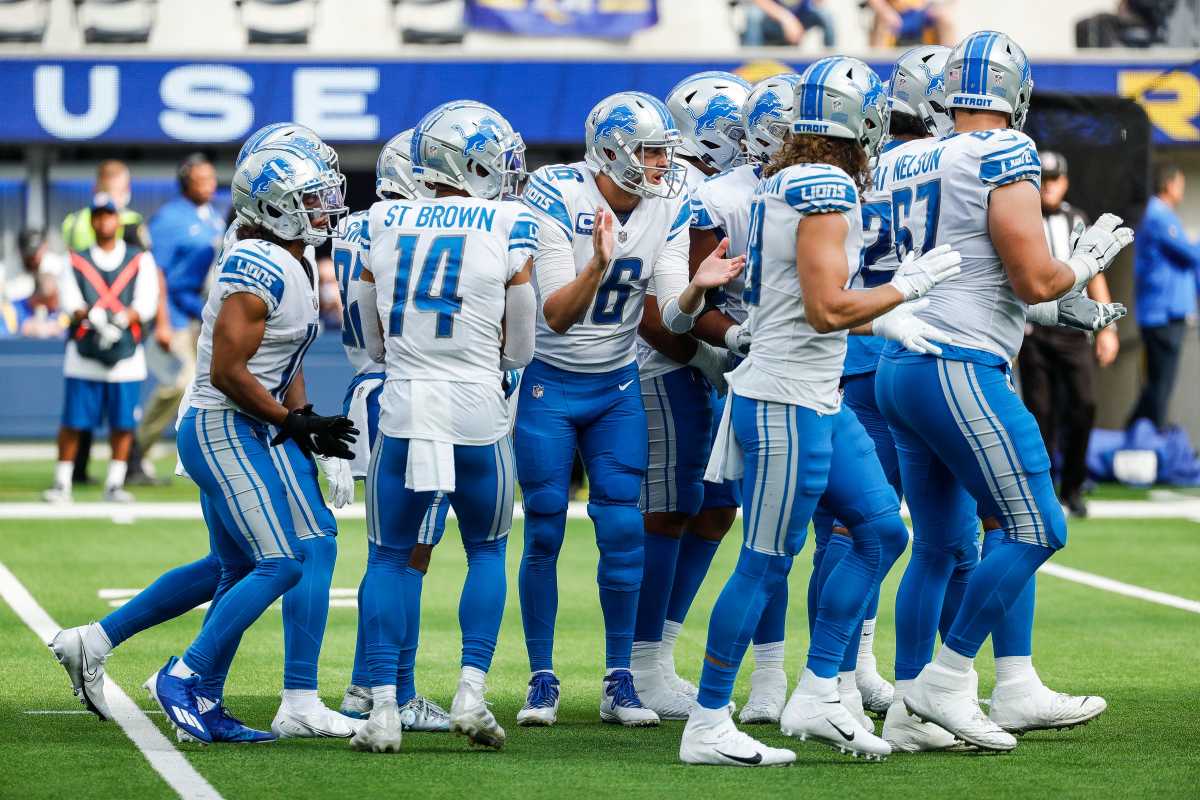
x,y
613,229
448,306
967,444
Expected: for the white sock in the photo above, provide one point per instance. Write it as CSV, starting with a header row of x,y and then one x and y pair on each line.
x,y
644,657
901,690
813,686
666,651
116,474
383,694
846,682
63,471
181,670
1015,669
473,677
768,656
866,646
708,717
96,640
955,662
301,699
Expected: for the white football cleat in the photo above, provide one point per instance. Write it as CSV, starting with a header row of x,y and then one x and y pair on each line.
x,y
826,720
57,495
313,722
86,670
619,702
655,695
422,715
117,494
356,702
768,695
666,664
470,716
722,744
541,701
907,734
877,693
382,732
1028,706
947,698
852,701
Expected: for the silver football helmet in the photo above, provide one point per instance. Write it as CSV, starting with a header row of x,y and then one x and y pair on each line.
x,y
468,146
767,115
290,133
707,110
393,170
290,192
841,97
918,87
988,71
618,132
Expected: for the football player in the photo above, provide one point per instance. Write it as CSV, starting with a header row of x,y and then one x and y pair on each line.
x,y
613,228
449,279
967,446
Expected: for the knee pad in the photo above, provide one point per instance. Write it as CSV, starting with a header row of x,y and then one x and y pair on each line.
x,y
287,570
394,558
620,540
891,534
494,548
621,486
320,550
544,501
620,568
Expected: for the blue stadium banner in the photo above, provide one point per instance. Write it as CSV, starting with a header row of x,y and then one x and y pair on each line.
x,y
606,19
159,101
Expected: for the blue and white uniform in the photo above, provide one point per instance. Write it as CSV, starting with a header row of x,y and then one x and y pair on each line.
x,y
966,442
582,391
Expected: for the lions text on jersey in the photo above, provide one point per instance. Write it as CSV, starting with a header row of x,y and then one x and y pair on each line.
x,y
441,268
790,362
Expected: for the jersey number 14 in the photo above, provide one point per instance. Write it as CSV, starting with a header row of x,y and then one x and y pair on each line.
x,y
444,257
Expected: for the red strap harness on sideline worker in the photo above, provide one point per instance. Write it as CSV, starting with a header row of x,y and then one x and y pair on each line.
x,y
109,295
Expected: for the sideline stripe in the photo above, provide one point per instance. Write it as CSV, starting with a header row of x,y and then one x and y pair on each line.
x,y
1117,587
163,757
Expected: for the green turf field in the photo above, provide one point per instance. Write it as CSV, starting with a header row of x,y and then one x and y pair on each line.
x,y
1141,656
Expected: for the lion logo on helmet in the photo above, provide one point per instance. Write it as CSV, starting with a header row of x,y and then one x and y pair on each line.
x,y
274,171
620,118
719,107
768,105
487,130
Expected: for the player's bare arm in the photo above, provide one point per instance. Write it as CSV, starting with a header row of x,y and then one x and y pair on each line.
x,y
567,305
237,334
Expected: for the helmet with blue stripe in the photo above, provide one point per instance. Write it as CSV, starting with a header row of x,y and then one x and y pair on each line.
x,y
468,146
918,87
767,115
289,191
290,133
988,71
841,97
393,170
707,110
618,132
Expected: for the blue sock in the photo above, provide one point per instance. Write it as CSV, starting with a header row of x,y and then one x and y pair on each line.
x,y
893,539
736,615
537,581
995,587
305,612
959,579
239,608
481,606
695,556
844,597
406,683
212,684
919,606
175,592
658,579
360,675
619,537
822,522
383,610
772,625
1013,636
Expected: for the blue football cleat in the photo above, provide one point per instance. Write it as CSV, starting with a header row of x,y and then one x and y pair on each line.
x,y
225,727
177,698
619,702
541,702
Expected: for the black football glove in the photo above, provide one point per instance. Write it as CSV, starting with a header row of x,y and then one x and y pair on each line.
x,y
323,436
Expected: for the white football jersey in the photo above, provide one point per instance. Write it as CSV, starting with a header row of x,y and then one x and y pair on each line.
x,y
939,195
790,362
650,254
441,270
722,204
348,261
268,272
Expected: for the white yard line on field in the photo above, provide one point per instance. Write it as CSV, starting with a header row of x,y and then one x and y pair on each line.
x,y
168,762
1117,587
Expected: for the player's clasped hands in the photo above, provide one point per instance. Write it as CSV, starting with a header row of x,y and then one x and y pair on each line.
x,y
323,436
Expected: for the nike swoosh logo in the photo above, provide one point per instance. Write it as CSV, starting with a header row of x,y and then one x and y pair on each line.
x,y
849,737
751,760
623,386
89,674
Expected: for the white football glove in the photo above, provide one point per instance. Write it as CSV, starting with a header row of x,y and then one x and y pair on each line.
x,y
341,481
1093,249
1076,310
918,274
109,334
737,339
900,325
712,362
97,317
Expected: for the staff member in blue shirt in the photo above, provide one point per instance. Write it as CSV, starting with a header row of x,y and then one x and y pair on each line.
x,y
1166,266
185,236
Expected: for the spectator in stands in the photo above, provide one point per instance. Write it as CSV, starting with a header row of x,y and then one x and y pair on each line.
x,y
111,288
186,234
780,23
40,316
36,258
1165,265
903,23
1057,365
